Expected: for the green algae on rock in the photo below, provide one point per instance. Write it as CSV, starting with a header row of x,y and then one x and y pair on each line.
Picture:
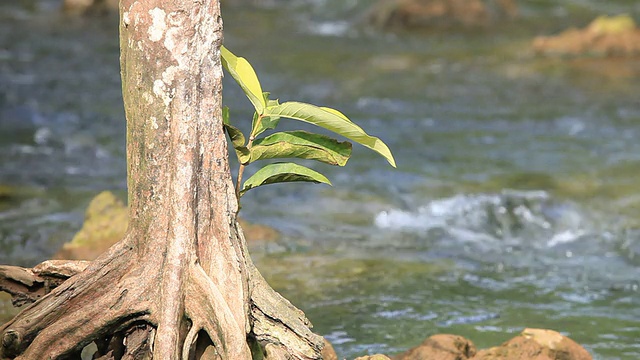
x,y
106,221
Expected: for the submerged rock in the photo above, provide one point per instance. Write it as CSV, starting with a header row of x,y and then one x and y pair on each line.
x,y
604,36
8,193
440,13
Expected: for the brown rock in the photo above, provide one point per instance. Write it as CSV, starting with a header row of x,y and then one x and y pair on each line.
x,y
328,352
79,7
105,223
536,344
605,36
373,357
440,13
441,347
563,347
258,232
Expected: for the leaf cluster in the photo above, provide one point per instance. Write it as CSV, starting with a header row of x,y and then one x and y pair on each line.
x,y
288,144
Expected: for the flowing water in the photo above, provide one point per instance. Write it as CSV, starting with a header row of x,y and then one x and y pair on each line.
x,y
515,203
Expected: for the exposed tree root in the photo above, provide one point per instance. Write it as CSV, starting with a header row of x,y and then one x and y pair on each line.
x,y
115,302
89,306
28,285
280,327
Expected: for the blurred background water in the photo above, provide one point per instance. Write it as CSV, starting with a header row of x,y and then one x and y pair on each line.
x,y
515,203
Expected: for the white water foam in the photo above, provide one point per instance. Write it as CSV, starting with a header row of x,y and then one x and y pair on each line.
x,y
509,215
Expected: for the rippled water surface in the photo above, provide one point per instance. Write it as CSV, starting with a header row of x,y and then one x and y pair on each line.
x,y
515,203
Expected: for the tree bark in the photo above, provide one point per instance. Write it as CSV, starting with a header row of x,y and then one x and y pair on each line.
x,y
180,284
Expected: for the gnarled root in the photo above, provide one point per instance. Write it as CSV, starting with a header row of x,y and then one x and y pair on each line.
x,y
92,304
28,285
280,327
115,302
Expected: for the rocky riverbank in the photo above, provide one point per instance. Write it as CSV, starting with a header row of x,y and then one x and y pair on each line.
x,y
538,344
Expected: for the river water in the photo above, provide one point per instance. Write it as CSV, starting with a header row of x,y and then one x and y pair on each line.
x,y
515,203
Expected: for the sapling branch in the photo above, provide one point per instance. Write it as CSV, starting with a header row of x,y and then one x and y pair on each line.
x,y
242,166
239,183
288,144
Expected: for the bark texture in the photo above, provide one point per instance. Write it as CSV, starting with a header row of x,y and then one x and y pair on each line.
x,y
181,284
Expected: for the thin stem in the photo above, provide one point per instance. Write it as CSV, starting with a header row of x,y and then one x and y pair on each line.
x,y
238,182
242,166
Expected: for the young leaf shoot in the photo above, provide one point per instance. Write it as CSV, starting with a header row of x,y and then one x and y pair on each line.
x,y
289,144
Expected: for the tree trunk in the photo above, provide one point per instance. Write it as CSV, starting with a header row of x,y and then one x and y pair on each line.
x,y
181,284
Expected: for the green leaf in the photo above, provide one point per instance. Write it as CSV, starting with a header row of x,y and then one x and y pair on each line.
x,y
301,145
265,123
282,172
225,115
243,73
237,140
236,136
336,112
269,101
332,120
